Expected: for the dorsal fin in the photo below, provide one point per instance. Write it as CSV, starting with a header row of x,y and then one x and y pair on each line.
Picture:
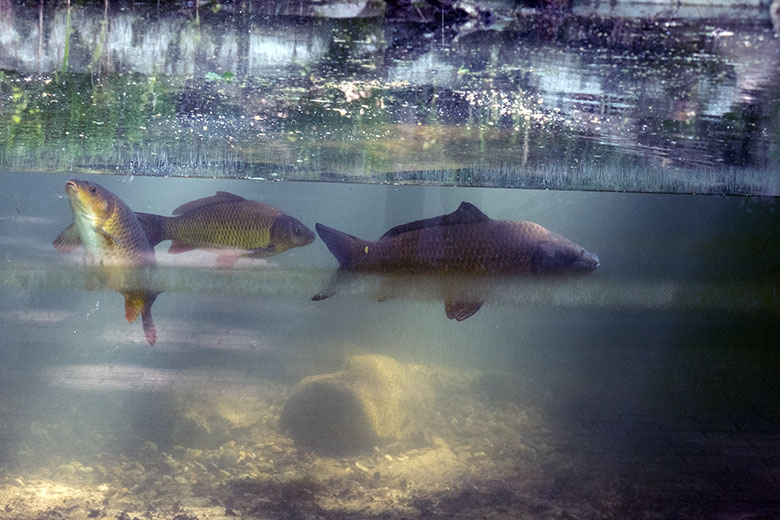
x,y
221,196
466,213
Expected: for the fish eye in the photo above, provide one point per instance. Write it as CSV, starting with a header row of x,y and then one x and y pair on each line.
x,y
298,230
93,189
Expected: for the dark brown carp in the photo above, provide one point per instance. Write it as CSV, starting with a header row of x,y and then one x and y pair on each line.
x,y
115,245
465,241
228,225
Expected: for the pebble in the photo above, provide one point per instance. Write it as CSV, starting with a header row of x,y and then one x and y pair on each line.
x,y
228,458
194,454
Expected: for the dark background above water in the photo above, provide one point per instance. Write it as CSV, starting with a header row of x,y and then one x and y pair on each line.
x,y
564,100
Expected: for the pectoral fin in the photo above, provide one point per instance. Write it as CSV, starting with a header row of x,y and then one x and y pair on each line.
x,y
322,295
387,288
261,252
461,310
111,239
68,240
338,279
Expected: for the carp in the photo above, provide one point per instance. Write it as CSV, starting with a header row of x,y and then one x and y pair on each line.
x,y
116,247
465,241
228,225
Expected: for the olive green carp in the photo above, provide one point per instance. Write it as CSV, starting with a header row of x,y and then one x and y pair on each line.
x,y
465,241
228,225
116,247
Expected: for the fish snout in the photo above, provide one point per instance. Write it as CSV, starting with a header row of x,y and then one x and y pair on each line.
x,y
562,256
71,185
308,236
589,261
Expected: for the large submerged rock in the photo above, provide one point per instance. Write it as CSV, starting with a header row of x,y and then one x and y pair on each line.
x,y
373,400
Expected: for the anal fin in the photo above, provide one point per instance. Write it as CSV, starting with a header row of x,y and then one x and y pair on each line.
x,y
227,260
134,304
179,246
460,311
140,303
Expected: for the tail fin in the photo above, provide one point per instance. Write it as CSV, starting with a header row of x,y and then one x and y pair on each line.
x,y
154,227
339,243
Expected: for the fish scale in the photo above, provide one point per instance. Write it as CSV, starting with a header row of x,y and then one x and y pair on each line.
x,y
481,247
242,226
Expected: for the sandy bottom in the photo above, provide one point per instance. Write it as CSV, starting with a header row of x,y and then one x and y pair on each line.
x,y
80,454
494,451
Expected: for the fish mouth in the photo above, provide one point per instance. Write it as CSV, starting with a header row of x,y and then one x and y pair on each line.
x,y
588,262
71,185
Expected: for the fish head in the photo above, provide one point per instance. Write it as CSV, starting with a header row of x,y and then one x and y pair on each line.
x,y
90,199
555,254
288,232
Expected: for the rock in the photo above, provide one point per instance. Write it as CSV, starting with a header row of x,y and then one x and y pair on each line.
x,y
207,421
194,418
373,400
192,429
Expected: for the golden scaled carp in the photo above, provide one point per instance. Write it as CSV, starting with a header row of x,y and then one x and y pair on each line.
x,y
465,241
228,225
115,244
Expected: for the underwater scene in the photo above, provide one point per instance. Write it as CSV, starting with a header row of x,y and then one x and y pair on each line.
x,y
363,260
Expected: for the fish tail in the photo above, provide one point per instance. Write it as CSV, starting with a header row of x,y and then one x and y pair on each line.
x,y
339,243
155,227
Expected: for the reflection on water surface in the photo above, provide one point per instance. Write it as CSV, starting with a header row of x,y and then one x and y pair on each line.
x,y
648,106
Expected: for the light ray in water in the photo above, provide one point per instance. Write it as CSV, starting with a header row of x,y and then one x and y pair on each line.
x,y
142,379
